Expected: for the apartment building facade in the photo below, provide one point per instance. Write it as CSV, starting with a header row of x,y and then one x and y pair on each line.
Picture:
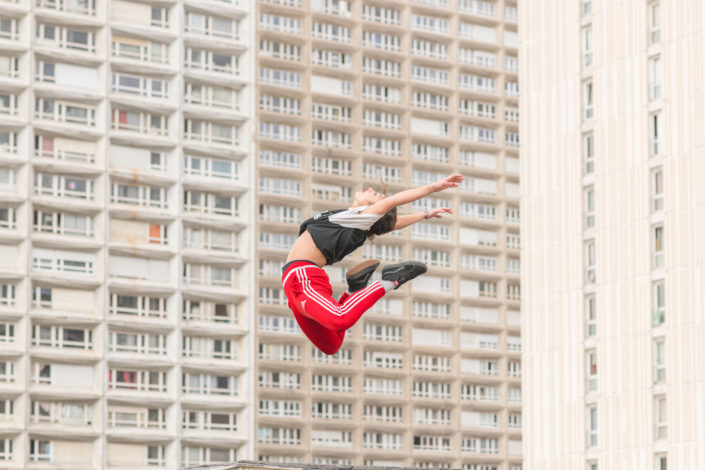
x,y
349,93
611,101
125,233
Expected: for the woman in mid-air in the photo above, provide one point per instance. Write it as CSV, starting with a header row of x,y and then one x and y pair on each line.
x,y
327,238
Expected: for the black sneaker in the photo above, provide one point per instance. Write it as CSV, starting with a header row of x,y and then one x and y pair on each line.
x,y
403,272
360,275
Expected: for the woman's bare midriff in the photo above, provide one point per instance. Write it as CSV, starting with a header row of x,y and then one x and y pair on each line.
x,y
304,248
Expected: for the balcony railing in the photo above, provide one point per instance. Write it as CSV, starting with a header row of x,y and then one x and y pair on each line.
x,y
81,157
81,7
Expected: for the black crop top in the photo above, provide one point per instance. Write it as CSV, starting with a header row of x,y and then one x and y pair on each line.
x,y
334,240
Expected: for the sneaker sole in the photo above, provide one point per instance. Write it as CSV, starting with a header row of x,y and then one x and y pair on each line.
x,y
362,269
395,267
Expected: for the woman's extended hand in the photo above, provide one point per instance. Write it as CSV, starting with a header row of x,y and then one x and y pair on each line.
x,y
448,182
437,212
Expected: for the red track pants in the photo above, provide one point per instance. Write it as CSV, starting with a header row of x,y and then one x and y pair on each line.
x,y
323,319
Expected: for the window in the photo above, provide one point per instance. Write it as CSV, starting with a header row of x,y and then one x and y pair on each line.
x,y
141,50
143,306
477,58
196,201
655,78
284,24
385,414
40,451
590,208
8,66
209,384
382,440
137,343
478,392
591,426
654,23
62,223
209,61
279,77
210,167
478,445
281,104
141,122
145,196
197,456
429,23
660,418
333,7
478,134
590,317
209,420
8,217
62,261
7,334
588,111
62,337
659,361
8,28
211,348
280,50
383,67
378,386
276,131
66,38
654,134
587,47
476,83
332,32
211,132
589,153
212,96
660,464
381,14
214,26
477,108
71,414
6,445
658,248
65,112
591,367
7,371
590,275
587,7
514,368
8,104
142,380
434,443
659,302
434,50
657,190
140,86
380,145
44,148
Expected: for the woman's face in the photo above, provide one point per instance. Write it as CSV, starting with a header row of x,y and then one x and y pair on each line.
x,y
367,197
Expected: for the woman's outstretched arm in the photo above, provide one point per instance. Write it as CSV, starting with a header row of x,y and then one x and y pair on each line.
x,y
404,221
410,195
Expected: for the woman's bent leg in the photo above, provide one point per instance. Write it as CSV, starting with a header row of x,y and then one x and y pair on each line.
x,y
324,339
309,287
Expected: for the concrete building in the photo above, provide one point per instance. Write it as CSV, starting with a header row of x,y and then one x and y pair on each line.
x,y
407,91
125,233
612,104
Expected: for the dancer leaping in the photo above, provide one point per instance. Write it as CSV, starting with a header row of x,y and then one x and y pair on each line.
x,y
327,238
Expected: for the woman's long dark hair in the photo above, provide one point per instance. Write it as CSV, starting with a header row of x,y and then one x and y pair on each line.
x,y
386,223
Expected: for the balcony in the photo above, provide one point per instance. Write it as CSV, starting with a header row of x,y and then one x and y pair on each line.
x,y
79,7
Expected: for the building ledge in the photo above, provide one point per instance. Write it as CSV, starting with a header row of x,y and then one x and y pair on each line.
x,y
252,465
